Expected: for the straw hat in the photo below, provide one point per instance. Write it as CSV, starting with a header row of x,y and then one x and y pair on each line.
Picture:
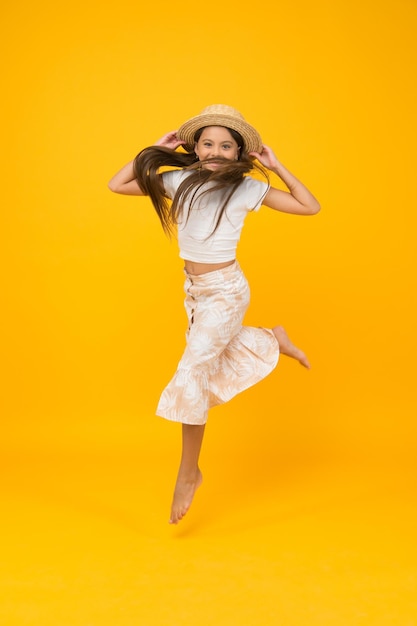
x,y
220,115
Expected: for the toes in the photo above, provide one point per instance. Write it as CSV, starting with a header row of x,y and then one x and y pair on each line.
x,y
183,496
177,516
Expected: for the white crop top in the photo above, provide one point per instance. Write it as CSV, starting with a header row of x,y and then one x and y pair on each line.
x,y
196,226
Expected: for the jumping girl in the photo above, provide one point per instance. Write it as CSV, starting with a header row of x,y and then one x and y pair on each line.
x,y
205,198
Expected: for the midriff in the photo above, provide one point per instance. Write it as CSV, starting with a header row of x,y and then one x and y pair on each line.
x,y
202,268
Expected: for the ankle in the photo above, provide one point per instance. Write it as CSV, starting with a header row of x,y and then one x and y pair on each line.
x,y
188,474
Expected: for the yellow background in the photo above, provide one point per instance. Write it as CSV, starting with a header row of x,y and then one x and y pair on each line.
x,y
93,322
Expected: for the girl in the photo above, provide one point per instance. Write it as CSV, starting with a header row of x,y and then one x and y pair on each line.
x,y
210,194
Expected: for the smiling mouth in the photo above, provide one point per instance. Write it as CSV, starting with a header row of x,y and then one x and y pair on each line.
x,y
216,162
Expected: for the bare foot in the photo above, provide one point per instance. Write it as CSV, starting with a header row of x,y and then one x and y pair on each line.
x,y
183,496
288,348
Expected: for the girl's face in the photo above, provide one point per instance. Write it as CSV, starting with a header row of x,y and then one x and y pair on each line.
x,y
216,142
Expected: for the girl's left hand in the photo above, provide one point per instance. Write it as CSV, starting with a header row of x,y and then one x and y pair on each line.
x,y
170,140
267,157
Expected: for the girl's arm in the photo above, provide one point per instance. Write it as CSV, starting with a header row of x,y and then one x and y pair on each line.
x,y
298,200
124,180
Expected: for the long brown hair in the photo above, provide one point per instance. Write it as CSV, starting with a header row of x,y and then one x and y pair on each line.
x,y
150,160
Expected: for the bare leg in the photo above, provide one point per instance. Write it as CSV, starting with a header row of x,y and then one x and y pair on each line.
x,y
189,476
288,348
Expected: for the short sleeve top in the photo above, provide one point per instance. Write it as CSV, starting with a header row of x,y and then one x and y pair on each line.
x,y
196,239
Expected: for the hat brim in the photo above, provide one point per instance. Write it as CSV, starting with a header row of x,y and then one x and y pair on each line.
x,y
250,136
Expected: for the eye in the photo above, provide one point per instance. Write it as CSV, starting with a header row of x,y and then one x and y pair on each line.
x,y
227,147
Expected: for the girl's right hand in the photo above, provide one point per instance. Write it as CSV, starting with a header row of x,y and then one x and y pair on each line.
x,y
170,140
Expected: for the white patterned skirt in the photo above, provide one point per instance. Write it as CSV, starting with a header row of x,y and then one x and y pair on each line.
x,y
222,357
